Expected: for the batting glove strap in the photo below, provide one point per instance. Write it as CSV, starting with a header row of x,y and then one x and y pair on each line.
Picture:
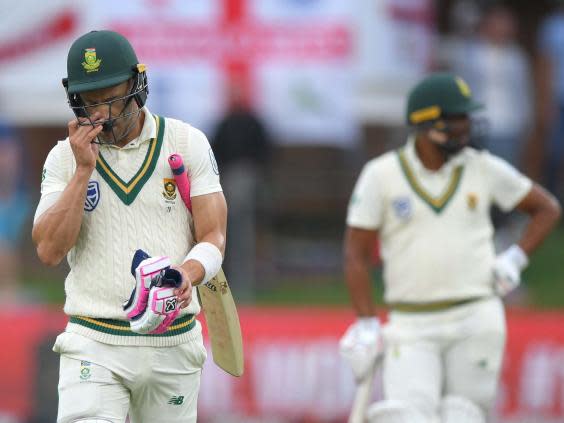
x,y
361,345
507,269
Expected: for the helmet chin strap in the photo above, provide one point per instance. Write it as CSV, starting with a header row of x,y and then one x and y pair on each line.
x,y
108,126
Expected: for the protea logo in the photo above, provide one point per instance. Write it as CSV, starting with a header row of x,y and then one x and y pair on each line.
x,y
463,87
91,62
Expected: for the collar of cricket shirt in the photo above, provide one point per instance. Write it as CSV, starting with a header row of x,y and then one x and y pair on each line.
x,y
415,162
413,169
148,132
152,133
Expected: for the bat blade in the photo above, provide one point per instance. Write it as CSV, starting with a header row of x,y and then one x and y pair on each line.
x,y
223,324
215,297
363,396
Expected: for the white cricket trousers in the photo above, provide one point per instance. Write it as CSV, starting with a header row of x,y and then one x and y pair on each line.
x,y
457,351
108,382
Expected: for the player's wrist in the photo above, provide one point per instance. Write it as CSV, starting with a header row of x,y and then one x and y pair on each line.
x,y
84,171
208,256
185,274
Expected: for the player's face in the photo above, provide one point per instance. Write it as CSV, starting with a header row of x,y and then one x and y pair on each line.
x,y
451,134
458,127
111,105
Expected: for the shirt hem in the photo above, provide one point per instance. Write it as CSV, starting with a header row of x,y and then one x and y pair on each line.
x,y
140,341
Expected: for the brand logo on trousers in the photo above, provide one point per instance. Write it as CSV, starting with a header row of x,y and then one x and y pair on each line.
x,y
176,400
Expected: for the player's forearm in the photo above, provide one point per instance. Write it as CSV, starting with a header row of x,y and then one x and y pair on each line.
x,y
541,223
57,229
357,276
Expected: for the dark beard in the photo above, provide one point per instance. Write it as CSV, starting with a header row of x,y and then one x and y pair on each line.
x,y
451,147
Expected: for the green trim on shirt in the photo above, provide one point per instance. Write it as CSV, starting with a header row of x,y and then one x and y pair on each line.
x,y
438,204
122,328
127,191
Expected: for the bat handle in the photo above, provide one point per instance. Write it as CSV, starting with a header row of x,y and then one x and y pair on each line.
x,y
176,163
181,178
363,397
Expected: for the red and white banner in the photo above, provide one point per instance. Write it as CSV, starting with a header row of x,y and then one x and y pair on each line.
x,y
299,61
293,369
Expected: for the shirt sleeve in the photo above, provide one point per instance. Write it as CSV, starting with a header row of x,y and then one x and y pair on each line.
x,y
508,185
53,175
202,167
45,204
53,180
365,206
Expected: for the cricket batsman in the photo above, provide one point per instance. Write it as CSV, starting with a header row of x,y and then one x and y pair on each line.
x,y
109,203
429,205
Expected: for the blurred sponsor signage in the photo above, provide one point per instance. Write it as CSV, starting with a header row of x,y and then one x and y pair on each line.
x,y
293,369
301,63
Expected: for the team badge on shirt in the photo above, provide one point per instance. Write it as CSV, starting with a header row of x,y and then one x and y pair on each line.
x,y
169,189
92,196
402,207
472,200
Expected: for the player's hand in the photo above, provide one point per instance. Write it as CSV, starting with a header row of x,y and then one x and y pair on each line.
x,y
184,293
153,305
507,269
81,137
361,345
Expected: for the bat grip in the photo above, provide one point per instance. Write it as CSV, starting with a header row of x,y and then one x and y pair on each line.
x,y
181,178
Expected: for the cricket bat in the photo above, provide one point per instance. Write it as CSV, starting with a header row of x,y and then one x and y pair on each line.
x,y
215,296
363,396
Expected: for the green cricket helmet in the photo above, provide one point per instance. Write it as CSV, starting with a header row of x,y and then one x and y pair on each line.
x,y
438,96
103,59
444,102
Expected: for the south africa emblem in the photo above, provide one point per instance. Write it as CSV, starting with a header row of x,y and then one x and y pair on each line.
x,y
91,62
169,191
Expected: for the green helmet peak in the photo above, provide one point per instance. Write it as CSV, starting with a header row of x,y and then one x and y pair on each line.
x,y
100,59
439,95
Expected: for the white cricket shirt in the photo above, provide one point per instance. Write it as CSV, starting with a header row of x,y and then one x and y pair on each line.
x,y
434,226
131,203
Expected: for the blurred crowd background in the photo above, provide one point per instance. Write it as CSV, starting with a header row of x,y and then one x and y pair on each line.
x,y
294,103
295,96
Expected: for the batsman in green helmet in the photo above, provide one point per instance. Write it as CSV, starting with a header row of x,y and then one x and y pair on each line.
x,y
104,60
111,204
428,203
440,108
